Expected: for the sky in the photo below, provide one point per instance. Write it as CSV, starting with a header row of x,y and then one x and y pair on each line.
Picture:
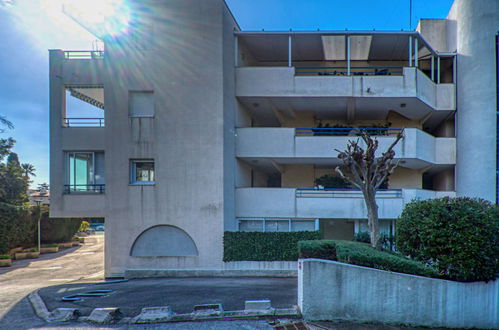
x,y
28,28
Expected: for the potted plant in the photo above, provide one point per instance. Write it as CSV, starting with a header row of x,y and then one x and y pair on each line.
x,y
32,253
49,248
21,255
5,260
65,245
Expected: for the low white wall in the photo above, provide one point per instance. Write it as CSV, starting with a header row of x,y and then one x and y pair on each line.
x,y
330,290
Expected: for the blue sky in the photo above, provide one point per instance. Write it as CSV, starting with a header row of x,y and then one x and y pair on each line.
x,y
28,28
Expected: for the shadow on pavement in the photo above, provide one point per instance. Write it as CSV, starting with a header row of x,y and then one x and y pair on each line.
x,y
16,264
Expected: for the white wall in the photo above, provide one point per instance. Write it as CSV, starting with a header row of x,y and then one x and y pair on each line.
x,y
330,290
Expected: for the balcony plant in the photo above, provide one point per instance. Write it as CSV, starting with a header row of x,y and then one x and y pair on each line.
x,y
5,260
330,181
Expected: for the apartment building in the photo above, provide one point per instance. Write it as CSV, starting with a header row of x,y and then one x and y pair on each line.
x,y
204,128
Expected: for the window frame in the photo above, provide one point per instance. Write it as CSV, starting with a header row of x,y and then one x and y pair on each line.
x,y
133,172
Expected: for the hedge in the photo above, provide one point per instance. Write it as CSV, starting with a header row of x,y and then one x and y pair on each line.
x,y
17,227
458,236
57,230
265,246
362,254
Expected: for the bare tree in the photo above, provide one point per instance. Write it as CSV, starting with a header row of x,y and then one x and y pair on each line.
x,y
367,172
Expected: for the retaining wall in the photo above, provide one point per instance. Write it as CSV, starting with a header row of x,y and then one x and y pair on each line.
x,y
330,290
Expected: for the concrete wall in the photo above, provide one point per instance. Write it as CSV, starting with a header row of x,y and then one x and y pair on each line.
x,y
282,81
417,147
477,22
284,203
331,290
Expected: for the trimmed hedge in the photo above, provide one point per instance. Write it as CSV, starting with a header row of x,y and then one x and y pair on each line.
x,y
265,246
58,230
362,254
17,227
459,236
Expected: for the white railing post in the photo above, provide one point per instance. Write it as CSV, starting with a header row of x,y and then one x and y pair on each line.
x,y
416,52
348,55
410,50
438,69
432,68
290,50
236,51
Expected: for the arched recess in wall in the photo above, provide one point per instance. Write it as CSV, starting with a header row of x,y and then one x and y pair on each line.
x,y
164,241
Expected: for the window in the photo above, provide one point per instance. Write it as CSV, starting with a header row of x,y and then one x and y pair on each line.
x,y
142,172
141,104
85,172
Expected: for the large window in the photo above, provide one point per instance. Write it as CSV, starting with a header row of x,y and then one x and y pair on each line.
x,y
142,172
85,172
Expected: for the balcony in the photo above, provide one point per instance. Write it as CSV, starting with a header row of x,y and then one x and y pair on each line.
x,y
330,203
85,67
84,188
411,86
416,150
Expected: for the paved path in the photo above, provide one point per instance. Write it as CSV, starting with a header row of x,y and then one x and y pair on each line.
x,y
83,263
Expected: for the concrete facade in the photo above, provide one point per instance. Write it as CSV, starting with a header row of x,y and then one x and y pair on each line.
x,y
222,124
372,295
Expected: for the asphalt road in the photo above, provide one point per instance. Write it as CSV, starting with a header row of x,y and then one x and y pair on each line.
x,y
182,294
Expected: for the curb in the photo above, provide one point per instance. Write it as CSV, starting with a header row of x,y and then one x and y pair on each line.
x,y
162,314
57,315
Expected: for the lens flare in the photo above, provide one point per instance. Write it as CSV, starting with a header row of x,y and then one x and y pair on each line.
x,y
101,17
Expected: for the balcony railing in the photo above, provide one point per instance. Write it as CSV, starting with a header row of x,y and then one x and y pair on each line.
x,y
84,188
320,131
344,192
84,122
83,54
346,71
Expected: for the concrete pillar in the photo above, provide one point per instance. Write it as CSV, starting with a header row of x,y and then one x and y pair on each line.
x,y
477,24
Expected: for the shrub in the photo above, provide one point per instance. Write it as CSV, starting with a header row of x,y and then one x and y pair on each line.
x,y
329,181
4,256
84,226
265,246
17,226
459,236
362,254
50,245
386,241
55,230
320,249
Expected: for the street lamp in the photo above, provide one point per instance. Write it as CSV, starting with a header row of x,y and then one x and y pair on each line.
x,y
38,204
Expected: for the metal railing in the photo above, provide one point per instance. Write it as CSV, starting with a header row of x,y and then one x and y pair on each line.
x,y
353,131
83,54
84,188
354,71
84,122
344,193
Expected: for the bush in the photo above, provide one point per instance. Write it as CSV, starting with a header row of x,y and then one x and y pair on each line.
x,y
50,245
362,254
459,236
265,246
54,230
320,249
17,226
386,241
84,226
4,256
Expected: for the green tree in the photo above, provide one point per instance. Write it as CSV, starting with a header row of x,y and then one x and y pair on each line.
x,y
28,170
